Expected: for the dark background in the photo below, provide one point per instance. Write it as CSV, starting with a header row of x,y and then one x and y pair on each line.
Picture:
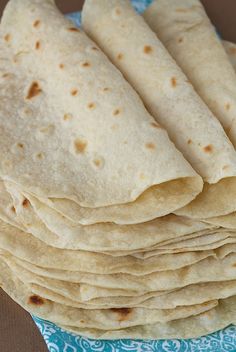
x,y
17,330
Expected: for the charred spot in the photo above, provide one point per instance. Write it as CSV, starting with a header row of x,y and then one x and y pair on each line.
x,y
106,89
80,146
123,313
189,141
173,82
36,23
150,145
34,90
67,117
147,49
73,29
74,92
36,300
13,209
180,40
120,56
25,203
116,112
91,105
37,45
20,145
62,66
208,148
7,37
6,75
86,64
227,106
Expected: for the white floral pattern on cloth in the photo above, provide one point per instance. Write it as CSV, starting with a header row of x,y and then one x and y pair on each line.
x,y
59,340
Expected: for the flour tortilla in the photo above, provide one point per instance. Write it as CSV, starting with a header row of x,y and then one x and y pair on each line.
x,y
202,324
230,49
95,162
185,29
102,319
55,230
25,246
141,57
189,295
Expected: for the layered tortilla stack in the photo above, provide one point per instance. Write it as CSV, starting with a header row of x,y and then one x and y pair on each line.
x,y
118,172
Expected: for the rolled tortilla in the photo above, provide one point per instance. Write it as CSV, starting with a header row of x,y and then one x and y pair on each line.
x,y
76,130
186,31
138,53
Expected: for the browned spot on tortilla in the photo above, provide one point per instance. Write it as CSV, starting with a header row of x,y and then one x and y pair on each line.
x,y
62,66
106,89
116,112
40,156
5,75
37,45
34,90
208,148
73,29
36,300
225,167
227,106
232,50
82,321
97,162
25,203
36,23
117,11
7,37
156,125
147,49
95,48
91,105
86,64
180,40
123,313
67,117
234,265
189,141
20,145
74,92
150,145
181,10
80,146
13,209
120,56
173,82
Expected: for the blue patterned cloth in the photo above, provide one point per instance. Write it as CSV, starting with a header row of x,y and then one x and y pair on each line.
x,y
59,340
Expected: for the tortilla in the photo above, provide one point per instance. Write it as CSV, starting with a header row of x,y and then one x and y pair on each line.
x,y
95,162
131,45
110,319
192,40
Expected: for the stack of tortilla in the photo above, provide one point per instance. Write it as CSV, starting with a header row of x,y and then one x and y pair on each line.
x,y
118,172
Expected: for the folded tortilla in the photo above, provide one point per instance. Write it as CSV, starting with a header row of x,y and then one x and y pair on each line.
x,y
75,129
138,53
185,29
